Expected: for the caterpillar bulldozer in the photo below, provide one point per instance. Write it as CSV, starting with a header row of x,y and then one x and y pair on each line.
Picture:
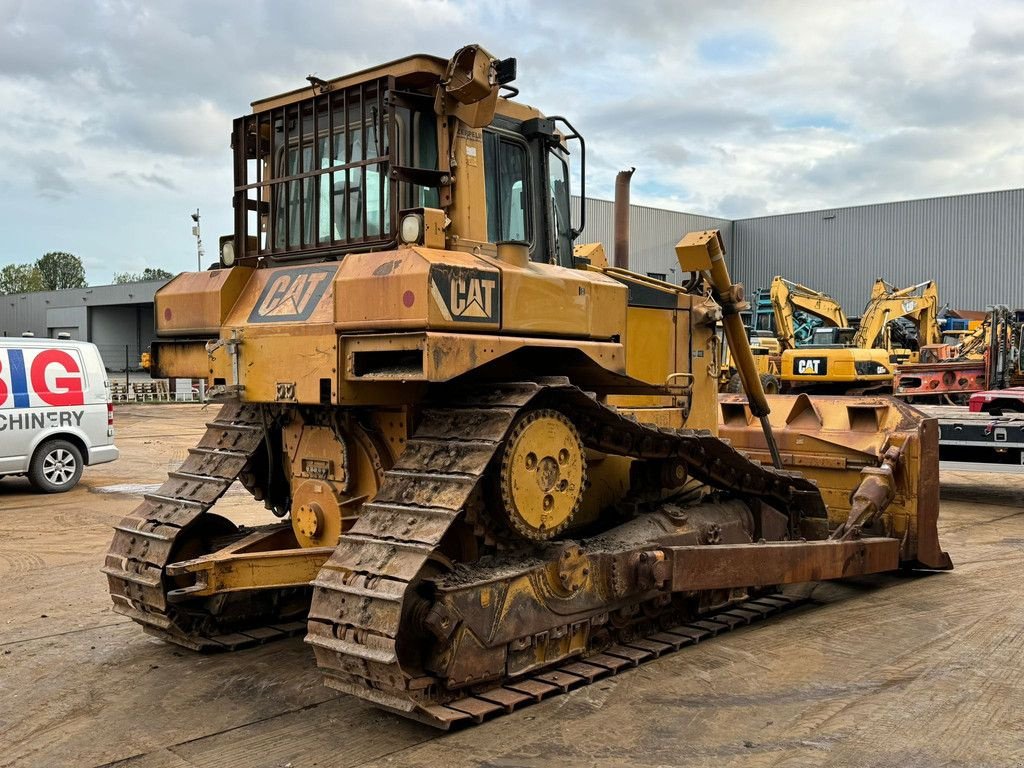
x,y
501,466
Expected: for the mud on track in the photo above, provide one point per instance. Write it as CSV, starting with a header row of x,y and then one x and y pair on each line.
x,y
910,671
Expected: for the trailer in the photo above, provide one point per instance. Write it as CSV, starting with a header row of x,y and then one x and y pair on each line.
x,y
980,442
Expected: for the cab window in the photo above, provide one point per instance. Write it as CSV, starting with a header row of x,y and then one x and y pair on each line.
x,y
561,222
507,189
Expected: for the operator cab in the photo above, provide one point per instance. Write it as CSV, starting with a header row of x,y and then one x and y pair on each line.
x,y
337,168
833,338
526,171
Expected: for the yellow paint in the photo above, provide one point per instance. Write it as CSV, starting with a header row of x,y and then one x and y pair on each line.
x,y
196,303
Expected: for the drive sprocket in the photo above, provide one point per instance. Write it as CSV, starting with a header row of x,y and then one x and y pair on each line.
x,y
543,474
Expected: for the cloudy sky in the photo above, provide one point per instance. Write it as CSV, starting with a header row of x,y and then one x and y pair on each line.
x,y
116,114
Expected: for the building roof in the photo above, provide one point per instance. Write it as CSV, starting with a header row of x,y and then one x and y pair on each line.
x,y
93,296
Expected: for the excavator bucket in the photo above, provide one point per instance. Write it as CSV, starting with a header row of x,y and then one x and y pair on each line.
x,y
833,440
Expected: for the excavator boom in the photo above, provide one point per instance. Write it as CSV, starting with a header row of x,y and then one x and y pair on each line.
x,y
917,303
865,360
789,299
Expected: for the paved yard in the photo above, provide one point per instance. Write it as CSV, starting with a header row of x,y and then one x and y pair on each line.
x,y
894,671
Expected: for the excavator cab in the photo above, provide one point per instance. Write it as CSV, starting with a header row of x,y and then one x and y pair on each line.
x,y
832,337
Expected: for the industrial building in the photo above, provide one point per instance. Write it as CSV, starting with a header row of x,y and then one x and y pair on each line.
x,y
969,244
116,318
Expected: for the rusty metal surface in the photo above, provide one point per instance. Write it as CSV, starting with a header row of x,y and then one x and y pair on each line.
x,y
621,250
933,380
739,565
825,437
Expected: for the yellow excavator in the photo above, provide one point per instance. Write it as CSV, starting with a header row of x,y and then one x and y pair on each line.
x,y
786,316
880,328
501,467
789,299
861,359
788,313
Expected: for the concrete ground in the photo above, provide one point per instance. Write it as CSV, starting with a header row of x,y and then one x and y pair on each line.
x,y
892,671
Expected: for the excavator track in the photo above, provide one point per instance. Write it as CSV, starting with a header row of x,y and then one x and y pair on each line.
x,y
153,535
366,594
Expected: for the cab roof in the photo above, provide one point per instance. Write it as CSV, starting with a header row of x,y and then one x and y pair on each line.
x,y
414,72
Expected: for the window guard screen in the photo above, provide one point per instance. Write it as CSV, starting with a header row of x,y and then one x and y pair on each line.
x,y
314,176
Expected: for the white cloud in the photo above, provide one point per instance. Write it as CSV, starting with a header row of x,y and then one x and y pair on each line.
x,y
117,114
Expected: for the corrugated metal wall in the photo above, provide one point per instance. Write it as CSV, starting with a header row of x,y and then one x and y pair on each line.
x,y
653,234
41,312
970,244
121,332
24,313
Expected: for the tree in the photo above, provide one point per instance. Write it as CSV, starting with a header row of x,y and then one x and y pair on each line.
x,y
20,278
61,270
149,273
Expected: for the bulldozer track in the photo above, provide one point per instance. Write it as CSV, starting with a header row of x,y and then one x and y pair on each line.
x,y
622,656
562,678
145,541
366,590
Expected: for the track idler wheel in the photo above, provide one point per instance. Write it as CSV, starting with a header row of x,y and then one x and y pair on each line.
x,y
542,475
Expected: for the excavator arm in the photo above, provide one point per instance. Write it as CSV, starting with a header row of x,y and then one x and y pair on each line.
x,y
917,303
788,298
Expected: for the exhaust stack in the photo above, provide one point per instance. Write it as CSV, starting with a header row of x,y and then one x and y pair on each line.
x,y
621,256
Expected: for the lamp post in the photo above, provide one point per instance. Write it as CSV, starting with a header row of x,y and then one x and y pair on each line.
x,y
199,240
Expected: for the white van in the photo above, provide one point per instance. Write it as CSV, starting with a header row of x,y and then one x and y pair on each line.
x,y
56,415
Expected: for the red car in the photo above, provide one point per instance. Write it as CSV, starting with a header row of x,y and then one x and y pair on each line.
x,y
998,401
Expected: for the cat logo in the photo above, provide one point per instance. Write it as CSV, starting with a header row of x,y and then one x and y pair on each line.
x,y
811,366
466,295
292,295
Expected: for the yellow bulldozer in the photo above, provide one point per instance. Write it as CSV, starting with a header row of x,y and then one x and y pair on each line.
x,y
502,468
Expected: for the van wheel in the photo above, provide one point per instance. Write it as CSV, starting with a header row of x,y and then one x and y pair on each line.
x,y
56,467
